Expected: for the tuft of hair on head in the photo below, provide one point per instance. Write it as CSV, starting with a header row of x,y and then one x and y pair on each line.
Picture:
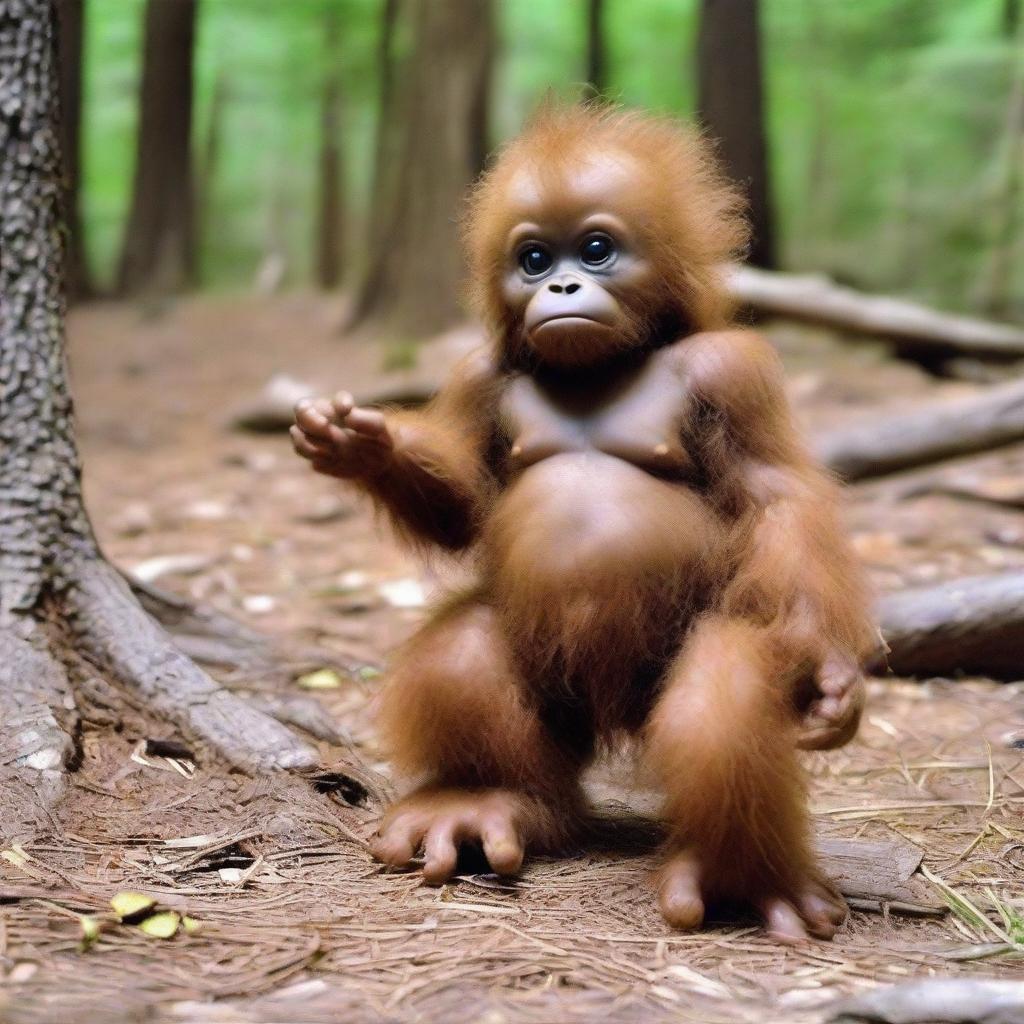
x,y
696,222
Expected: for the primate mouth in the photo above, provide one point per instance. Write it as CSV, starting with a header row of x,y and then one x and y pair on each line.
x,y
560,317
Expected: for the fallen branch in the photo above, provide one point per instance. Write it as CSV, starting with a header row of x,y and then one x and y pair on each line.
x,y
879,874
934,432
935,1000
974,624
913,327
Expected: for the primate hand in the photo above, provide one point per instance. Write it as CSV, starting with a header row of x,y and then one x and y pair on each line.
x,y
341,439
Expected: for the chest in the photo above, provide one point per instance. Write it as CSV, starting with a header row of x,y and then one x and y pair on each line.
x,y
640,417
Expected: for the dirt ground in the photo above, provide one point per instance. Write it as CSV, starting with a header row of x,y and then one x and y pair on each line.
x,y
294,922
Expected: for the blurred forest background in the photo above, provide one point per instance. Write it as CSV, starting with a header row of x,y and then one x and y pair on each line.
x,y
228,144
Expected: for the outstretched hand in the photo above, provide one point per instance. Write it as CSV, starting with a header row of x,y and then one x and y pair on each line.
x,y
340,439
832,717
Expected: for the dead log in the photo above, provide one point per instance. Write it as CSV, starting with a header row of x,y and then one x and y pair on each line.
x,y
914,328
936,1001
879,875
973,625
942,430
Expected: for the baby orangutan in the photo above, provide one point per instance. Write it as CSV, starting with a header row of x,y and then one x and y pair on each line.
x,y
656,553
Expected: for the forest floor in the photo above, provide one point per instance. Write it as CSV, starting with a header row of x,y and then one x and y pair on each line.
x,y
295,921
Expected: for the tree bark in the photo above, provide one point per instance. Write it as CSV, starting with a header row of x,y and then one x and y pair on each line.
x,y
330,237
941,430
70,16
731,106
915,329
158,253
412,283
55,586
973,625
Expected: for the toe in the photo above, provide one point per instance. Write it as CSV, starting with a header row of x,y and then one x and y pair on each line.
x,y
782,921
822,904
398,840
679,895
503,848
441,853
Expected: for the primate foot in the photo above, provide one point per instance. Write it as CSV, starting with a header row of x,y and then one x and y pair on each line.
x,y
439,821
811,910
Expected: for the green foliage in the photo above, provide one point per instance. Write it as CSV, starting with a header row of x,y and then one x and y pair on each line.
x,y
886,118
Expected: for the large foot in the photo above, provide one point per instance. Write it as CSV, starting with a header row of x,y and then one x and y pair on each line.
x,y
812,909
440,821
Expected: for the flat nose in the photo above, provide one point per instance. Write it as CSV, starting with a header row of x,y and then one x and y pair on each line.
x,y
569,287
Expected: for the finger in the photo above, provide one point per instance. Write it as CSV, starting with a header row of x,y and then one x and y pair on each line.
x,y
312,420
830,708
440,853
303,446
836,677
502,848
679,895
823,737
368,422
782,922
342,403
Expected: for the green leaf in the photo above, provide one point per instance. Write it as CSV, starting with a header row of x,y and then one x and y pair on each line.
x,y
161,926
321,679
131,904
90,931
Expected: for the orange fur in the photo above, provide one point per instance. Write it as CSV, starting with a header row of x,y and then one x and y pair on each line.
x,y
656,552
685,209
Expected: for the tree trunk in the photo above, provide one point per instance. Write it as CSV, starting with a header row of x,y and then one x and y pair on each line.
x,y
69,47
731,106
206,180
330,239
55,586
158,252
597,54
974,625
998,299
385,162
412,284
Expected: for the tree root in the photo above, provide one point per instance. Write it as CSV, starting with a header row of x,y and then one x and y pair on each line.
x,y
213,638
115,638
116,634
33,686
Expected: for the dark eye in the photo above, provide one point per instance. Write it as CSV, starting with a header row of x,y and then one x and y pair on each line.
x,y
597,249
535,259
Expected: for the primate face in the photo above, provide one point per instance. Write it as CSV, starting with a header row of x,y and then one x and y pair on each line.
x,y
577,279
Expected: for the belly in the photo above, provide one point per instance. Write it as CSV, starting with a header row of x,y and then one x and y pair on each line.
x,y
584,518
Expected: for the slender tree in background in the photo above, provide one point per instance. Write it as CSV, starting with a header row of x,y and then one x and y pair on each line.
x,y
731,106
998,285
158,252
412,283
68,621
209,159
1011,16
329,226
384,151
69,42
597,54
